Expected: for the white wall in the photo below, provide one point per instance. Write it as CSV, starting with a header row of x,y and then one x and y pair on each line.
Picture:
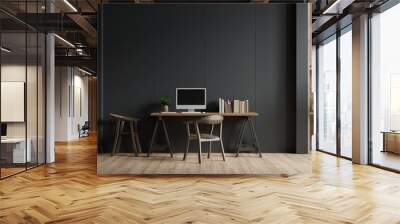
x,y
62,81
50,94
360,90
71,102
33,127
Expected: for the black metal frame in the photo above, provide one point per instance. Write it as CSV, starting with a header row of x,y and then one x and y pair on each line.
x,y
369,113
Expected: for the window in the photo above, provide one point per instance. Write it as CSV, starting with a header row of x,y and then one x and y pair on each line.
x,y
334,62
327,96
346,93
385,88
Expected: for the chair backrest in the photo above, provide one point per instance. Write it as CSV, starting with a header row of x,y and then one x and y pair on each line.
x,y
86,124
212,119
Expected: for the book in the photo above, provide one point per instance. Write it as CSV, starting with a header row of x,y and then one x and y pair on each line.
x,y
236,106
229,106
219,105
233,106
242,107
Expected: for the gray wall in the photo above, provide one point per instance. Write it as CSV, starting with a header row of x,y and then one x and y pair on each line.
x,y
241,51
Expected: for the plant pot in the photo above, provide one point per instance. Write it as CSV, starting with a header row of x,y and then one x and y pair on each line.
x,y
164,108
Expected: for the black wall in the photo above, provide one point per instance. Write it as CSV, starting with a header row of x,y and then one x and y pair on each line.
x,y
240,51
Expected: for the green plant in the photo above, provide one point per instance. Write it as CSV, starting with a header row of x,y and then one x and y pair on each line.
x,y
165,101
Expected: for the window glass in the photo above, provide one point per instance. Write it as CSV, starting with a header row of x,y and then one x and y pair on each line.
x,y
385,88
327,96
346,94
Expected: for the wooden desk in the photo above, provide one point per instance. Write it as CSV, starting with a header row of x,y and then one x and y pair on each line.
x,y
14,150
245,119
179,114
391,141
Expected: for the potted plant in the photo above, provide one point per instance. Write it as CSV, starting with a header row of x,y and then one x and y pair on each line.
x,y
165,102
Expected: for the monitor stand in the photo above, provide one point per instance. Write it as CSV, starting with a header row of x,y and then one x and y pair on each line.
x,y
190,111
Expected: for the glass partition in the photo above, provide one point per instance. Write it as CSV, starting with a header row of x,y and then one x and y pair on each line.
x,y
327,96
14,151
31,100
22,88
41,97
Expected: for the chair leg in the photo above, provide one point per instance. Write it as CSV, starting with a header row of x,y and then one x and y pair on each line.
x,y
187,141
116,138
210,146
222,149
133,137
209,150
220,141
199,151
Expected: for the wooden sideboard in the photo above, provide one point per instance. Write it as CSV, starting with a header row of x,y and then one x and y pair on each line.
x,y
391,141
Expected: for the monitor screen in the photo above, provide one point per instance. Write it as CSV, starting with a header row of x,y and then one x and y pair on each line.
x,y
3,129
191,96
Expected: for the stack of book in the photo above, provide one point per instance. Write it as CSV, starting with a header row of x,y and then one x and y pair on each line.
x,y
233,106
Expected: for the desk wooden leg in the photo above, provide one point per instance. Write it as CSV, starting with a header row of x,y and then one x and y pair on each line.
x,y
133,137
137,137
384,143
187,140
167,138
121,130
255,137
241,135
153,138
116,138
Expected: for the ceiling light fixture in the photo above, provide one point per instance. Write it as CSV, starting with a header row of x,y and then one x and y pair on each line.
x,y
327,11
65,41
5,50
84,71
70,5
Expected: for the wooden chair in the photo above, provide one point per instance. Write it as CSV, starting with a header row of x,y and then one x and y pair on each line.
x,y
83,130
205,137
119,132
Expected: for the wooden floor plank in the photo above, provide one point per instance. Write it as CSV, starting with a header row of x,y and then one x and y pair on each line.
x,y
70,191
246,163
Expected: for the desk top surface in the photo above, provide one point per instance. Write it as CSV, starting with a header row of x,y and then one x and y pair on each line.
x,y
186,114
391,132
13,140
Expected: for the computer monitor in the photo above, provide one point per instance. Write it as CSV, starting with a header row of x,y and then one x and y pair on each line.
x,y
3,130
191,98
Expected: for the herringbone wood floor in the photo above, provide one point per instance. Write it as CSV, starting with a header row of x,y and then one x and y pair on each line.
x,y
71,192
